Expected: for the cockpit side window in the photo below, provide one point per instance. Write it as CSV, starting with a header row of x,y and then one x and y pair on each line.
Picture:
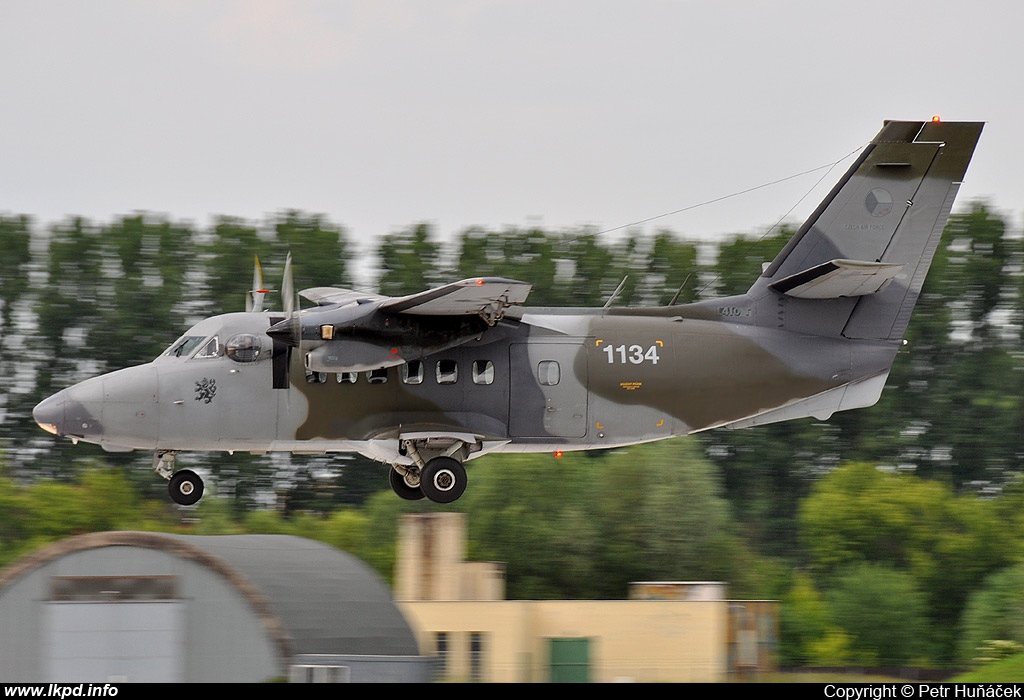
x,y
185,345
244,347
211,349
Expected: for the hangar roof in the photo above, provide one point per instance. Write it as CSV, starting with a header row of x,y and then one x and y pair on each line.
x,y
313,598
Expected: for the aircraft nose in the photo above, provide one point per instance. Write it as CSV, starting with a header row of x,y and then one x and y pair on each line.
x,y
49,413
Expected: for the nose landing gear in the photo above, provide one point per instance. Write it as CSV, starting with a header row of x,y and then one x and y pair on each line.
x,y
185,487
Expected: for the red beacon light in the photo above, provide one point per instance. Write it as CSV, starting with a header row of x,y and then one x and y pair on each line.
x,y
936,118
558,453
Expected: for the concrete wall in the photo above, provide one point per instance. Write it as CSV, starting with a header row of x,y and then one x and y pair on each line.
x,y
642,641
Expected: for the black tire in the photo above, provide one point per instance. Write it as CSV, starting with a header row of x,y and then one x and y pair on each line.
x,y
403,489
185,487
443,479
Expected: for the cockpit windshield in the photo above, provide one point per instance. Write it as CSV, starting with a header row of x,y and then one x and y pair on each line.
x,y
185,345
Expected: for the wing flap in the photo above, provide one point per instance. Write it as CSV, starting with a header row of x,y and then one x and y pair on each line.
x,y
326,296
838,278
486,296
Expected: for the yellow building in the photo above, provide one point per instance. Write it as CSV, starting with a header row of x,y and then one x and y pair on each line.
x,y
665,632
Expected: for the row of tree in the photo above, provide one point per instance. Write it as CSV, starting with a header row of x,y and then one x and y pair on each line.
x,y
895,570
931,514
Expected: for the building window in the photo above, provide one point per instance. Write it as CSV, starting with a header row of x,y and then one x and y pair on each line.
x,y
441,651
412,372
476,656
447,372
306,673
548,372
483,372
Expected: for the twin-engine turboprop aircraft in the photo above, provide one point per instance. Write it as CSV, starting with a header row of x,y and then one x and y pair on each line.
x,y
428,381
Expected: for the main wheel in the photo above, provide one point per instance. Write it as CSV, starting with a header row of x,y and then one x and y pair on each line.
x,y
402,487
185,487
443,479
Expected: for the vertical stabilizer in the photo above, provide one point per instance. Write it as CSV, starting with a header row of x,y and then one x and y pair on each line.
x,y
856,266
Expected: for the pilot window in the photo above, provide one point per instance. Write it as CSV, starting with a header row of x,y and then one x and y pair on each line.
x,y
447,372
483,372
316,377
377,376
548,372
412,372
211,349
347,377
185,345
244,347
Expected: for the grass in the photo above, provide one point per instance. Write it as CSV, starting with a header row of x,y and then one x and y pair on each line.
x,y
1008,670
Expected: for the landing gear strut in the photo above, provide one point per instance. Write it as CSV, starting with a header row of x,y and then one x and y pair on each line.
x,y
406,485
185,487
440,478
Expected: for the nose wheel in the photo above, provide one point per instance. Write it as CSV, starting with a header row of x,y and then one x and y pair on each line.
x,y
185,487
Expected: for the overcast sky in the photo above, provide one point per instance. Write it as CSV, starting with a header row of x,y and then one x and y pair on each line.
x,y
382,114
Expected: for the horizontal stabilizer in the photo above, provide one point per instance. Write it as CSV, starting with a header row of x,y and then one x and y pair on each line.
x,y
838,278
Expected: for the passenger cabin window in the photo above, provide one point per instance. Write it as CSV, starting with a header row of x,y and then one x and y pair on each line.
x,y
483,372
447,372
412,372
548,372
211,349
347,377
244,347
185,345
377,376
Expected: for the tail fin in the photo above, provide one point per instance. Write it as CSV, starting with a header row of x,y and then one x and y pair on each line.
x,y
856,266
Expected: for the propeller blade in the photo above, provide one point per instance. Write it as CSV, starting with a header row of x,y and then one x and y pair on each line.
x,y
288,287
285,331
254,299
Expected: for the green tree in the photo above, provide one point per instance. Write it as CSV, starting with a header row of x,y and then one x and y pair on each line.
x,y
808,635
527,256
946,543
229,253
671,271
19,356
994,611
885,615
411,261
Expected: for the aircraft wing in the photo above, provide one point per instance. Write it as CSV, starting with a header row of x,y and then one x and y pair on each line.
x,y
479,295
325,296
488,297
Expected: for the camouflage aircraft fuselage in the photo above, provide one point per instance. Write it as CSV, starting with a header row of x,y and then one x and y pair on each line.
x,y
556,379
429,380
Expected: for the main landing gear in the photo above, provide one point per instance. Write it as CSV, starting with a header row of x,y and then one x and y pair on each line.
x,y
185,487
440,478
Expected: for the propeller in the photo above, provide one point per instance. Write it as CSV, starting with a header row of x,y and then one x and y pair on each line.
x,y
254,299
285,331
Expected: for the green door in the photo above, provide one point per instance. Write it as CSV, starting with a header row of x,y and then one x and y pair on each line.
x,y
570,660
